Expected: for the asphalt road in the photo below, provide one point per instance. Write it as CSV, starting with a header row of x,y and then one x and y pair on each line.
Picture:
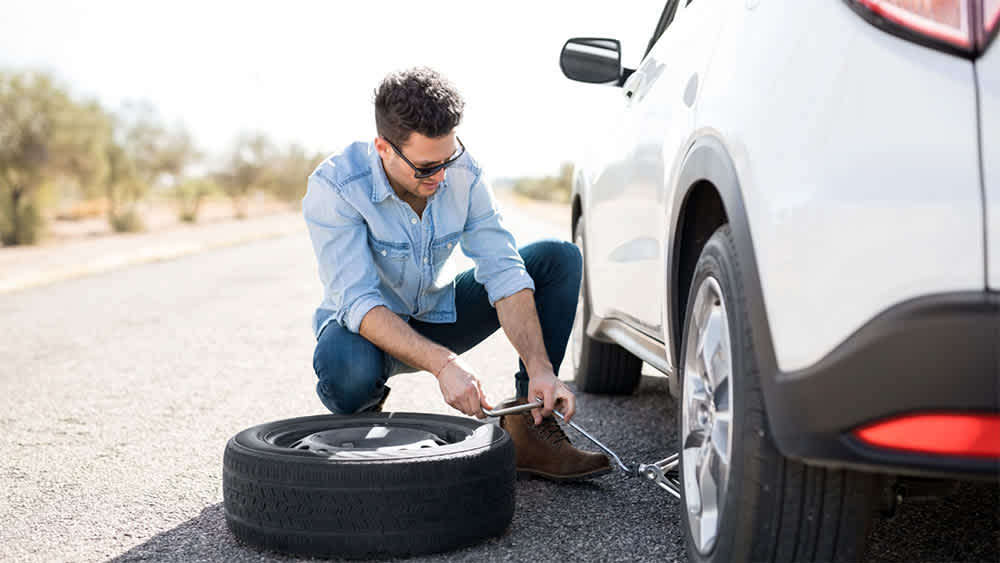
x,y
118,393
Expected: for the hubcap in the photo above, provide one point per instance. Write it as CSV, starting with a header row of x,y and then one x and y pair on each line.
x,y
706,414
359,440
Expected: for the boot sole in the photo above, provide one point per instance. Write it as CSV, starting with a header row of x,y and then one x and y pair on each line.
x,y
530,473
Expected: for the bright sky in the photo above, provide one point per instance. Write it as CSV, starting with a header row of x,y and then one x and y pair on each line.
x,y
305,71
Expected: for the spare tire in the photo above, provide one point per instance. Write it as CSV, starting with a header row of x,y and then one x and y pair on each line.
x,y
369,485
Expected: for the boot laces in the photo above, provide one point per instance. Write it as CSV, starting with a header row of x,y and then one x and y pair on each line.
x,y
550,430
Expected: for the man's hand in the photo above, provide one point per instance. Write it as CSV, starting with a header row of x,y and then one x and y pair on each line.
x,y
546,385
461,388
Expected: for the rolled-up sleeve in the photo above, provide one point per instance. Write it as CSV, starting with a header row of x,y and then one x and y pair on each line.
x,y
498,265
340,241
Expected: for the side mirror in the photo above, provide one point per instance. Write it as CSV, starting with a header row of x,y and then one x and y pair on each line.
x,y
593,60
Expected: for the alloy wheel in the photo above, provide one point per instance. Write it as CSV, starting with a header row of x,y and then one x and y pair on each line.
x,y
706,414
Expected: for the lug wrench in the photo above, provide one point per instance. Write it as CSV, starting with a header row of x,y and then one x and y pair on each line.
x,y
663,473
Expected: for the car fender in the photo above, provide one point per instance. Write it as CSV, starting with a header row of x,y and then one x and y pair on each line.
x,y
708,160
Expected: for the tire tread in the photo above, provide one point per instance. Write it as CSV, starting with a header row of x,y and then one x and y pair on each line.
x,y
786,511
372,509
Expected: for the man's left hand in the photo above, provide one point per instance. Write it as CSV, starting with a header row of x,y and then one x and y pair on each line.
x,y
546,386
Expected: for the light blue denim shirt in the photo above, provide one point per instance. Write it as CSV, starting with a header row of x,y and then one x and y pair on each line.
x,y
373,249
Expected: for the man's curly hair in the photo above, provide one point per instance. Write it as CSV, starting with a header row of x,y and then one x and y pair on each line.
x,y
416,100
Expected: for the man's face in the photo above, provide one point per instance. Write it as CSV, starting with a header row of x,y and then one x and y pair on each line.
x,y
423,152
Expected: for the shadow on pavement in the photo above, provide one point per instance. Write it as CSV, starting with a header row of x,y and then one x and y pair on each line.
x,y
203,538
964,526
613,518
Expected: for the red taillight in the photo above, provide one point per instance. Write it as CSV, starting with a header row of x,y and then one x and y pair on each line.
x,y
974,435
991,14
964,25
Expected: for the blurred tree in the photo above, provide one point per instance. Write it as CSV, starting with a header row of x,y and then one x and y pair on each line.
x,y
251,167
143,154
288,180
548,188
189,195
44,135
176,153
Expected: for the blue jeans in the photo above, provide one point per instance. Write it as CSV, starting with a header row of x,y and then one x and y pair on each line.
x,y
352,371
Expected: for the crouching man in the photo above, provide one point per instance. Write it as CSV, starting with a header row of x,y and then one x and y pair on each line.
x,y
384,217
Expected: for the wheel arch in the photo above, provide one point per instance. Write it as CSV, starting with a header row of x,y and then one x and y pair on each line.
x,y
709,194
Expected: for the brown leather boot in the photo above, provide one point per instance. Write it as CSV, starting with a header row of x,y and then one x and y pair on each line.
x,y
546,451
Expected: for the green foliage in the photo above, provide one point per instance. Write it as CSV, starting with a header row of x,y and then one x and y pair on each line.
x,y
143,152
288,182
248,170
51,144
21,222
549,188
189,195
127,222
44,136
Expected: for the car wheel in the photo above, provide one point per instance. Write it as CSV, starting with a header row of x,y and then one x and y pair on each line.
x,y
743,500
600,367
369,485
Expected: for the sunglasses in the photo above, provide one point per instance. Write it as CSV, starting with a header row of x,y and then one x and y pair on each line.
x,y
428,171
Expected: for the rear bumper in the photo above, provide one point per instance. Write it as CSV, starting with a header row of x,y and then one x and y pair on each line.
x,y
933,354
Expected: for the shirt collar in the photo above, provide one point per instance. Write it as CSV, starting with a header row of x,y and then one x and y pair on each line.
x,y
381,188
380,182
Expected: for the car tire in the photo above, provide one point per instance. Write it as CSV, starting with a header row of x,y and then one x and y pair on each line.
x,y
755,504
600,367
369,485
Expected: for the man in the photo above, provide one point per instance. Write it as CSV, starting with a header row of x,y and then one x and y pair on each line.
x,y
384,217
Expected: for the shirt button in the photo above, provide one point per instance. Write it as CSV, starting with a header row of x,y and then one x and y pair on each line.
x,y
425,259
413,220
450,245
384,253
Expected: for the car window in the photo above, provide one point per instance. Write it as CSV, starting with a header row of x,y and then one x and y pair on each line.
x,y
666,17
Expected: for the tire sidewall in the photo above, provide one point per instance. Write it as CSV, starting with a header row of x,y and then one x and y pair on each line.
x,y
369,504
580,361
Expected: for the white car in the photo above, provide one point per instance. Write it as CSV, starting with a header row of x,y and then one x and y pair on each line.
x,y
796,217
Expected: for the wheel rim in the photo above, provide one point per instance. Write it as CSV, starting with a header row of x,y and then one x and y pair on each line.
x,y
369,441
706,414
576,336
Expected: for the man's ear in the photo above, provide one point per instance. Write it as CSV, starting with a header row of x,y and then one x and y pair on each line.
x,y
381,146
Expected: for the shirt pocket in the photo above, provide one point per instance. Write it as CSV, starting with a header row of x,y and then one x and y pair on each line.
x,y
443,247
390,260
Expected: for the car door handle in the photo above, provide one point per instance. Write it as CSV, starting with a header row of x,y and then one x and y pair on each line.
x,y
633,84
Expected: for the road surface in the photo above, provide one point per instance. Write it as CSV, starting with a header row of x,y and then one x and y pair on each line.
x,y
118,392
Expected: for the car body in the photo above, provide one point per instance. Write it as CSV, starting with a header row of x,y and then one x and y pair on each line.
x,y
852,151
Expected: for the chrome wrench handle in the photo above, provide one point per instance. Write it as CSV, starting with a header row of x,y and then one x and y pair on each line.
x,y
627,469
512,410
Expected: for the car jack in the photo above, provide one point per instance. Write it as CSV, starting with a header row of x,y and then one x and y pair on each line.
x,y
664,473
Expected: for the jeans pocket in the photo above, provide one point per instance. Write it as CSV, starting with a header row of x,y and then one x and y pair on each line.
x,y
390,260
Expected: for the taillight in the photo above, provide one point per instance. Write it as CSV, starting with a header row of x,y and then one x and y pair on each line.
x,y
958,434
961,26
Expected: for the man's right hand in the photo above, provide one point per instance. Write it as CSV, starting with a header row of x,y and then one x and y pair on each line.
x,y
461,388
